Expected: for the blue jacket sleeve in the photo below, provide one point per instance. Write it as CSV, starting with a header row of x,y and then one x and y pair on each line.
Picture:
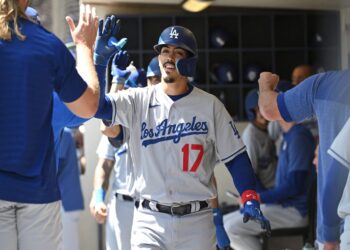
x,y
295,185
242,173
297,103
105,110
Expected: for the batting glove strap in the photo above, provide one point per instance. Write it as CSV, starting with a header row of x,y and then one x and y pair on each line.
x,y
249,195
251,211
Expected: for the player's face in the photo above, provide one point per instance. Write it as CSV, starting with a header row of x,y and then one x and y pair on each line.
x,y
167,59
299,74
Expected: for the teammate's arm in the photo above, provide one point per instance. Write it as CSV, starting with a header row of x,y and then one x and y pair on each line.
x,y
98,208
84,35
244,179
268,96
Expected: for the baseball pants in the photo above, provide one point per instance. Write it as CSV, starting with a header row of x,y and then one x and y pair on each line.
x,y
244,236
70,224
119,223
30,226
159,231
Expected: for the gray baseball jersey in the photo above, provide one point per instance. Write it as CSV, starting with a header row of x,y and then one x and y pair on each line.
x,y
123,181
175,145
262,153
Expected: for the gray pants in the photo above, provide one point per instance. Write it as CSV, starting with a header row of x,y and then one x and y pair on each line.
x,y
157,231
118,225
30,226
244,236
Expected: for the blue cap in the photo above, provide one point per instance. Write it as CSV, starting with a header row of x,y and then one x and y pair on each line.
x,y
153,68
136,79
283,86
251,102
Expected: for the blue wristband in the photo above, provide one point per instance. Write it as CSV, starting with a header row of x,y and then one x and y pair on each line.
x,y
217,216
100,194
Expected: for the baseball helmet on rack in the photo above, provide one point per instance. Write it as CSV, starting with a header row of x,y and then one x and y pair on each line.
x,y
219,38
183,38
252,72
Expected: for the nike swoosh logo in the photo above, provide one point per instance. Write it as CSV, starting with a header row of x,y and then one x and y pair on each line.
x,y
153,106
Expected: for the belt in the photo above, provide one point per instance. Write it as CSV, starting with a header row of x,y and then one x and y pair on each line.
x,y
178,210
123,197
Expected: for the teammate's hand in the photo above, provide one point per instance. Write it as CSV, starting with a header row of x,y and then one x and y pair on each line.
x,y
100,213
98,210
251,211
119,72
268,81
331,245
221,236
85,32
106,42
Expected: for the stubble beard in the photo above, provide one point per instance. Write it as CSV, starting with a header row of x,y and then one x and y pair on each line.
x,y
169,79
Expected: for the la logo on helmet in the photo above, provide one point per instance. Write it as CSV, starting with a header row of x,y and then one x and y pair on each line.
x,y
173,33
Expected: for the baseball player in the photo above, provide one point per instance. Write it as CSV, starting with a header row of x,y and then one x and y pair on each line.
x,y
177,134
326,96
260,147
153,72
339,150
70,189
120,206
33,64
286,204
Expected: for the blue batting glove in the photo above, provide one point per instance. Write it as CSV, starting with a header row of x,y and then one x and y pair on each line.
x,y
120,62
251,211
221,236
106,42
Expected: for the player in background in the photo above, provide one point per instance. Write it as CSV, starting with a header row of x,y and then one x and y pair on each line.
x,y
177,134
301,72
70,189
153,72
286,204
326,96
339,150
33,64
260,147
119,214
